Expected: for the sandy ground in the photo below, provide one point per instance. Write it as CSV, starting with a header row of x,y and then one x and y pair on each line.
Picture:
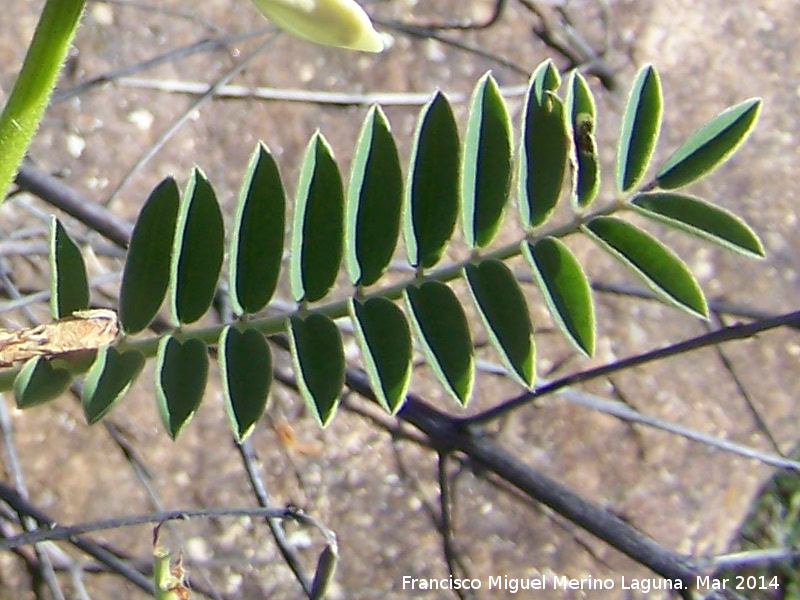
x,y
373,492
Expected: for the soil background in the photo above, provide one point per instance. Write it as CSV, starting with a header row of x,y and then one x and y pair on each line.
x,y
376,493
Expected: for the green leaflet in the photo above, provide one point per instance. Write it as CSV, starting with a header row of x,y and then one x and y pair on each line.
x,y
318,224
197,254
710,146
108,380
145,277
504,313
374,201
640,128
442,329
245,364
432,192
486,173
39,381
318,358
565,289
69,288
656,264
256,246
384,338
181,371
585,160
700,218
543,147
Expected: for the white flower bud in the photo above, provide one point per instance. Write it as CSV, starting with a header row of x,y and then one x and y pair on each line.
x,y
341,23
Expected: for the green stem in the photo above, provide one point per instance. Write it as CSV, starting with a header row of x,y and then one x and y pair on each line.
x,y
28,100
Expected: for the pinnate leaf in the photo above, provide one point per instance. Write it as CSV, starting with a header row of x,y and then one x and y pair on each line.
x,y
486,173
433,182
109,379
181,371
374,201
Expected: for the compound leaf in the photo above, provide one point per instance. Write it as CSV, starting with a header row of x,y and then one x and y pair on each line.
x,y
486,174
39,381
700,218
108,380
543,147
432,192
585,159
181,371
198,250
69,287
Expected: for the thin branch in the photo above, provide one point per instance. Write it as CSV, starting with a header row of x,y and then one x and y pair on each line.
x,y
171,55
454,563
725,334
446,433
275,525
752,558
58,194
50,531
238,92
477,50
749,402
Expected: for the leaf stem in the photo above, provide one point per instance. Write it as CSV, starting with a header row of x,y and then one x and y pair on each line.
x,y
28,99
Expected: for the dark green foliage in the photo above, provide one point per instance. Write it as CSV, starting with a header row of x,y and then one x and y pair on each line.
x,y
442,328
504,312
640,127
374,201
566,290
189,236
69,289
197,256
318,358
486,174
432,194
245,364
318,224
256,245
147,268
